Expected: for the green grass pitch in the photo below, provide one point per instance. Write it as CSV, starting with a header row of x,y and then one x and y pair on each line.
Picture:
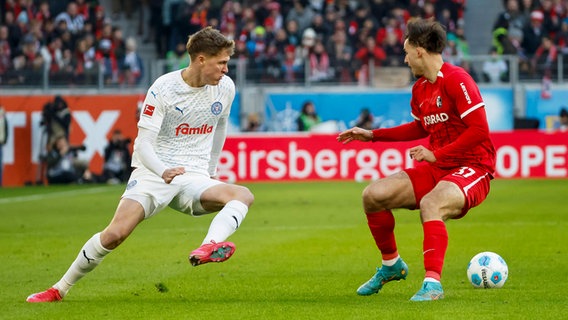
x,y
301,254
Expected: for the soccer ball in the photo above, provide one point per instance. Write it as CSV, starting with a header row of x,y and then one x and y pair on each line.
x,y
487,270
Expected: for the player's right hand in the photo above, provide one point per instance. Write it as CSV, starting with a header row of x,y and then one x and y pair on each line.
x,y
170,173
355,133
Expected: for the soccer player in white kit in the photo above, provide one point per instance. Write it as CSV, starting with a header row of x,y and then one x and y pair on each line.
x,y
181,132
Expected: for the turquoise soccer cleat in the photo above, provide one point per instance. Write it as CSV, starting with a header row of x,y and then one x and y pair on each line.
x,y
383,275
429,291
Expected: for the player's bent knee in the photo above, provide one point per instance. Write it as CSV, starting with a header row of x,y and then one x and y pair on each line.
x,y
368,194
213,199
373,199
427,204
430,209
245,196
110,238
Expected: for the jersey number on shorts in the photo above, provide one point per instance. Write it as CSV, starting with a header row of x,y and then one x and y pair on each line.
x,y
464,172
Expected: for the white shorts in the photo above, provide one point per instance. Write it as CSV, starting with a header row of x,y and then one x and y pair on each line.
x,y
182,194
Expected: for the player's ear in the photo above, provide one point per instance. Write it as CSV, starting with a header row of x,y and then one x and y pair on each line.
x,y
420,52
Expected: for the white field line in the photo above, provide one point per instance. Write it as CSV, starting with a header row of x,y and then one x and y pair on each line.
x,y
53,195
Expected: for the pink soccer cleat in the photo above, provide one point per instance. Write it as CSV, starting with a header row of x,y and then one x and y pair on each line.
x,y
212,252
49,295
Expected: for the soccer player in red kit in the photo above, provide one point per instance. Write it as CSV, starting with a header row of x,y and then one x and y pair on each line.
x,y
455,167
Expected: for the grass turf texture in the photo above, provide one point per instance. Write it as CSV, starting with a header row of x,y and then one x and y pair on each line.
x,y
301,254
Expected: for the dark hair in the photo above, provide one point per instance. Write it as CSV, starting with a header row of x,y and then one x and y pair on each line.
x,y
563,112
430,35
59,103
305,106
210,42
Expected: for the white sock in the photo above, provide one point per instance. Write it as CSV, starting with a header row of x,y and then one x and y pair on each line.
x,y
391,262
88,258
428,279
226,222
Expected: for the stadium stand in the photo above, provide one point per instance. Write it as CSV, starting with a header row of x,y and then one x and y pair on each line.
x,y
78,42
73,38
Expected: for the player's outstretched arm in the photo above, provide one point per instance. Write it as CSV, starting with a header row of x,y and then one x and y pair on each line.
x,y
355,133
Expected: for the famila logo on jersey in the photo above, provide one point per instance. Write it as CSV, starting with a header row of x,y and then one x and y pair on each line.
x,y
185,129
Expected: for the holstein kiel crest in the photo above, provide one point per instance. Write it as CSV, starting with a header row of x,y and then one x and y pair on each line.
x,y
216,108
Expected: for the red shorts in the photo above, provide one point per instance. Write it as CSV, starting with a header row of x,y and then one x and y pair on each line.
x,y
473,182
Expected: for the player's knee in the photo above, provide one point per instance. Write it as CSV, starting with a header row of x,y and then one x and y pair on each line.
x,y
111,238
373,199
245,196
368,194
430,209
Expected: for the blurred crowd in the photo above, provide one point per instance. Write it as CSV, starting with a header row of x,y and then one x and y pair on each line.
x,y
338,39
334,40
536,31
75,40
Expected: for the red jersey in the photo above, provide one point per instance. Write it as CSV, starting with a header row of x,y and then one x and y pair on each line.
x,y
446,109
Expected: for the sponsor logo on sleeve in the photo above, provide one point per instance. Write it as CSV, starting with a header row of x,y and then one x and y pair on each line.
x,y
148,110
465,93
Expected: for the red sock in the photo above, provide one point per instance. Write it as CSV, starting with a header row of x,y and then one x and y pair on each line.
x,y
381,225
434,246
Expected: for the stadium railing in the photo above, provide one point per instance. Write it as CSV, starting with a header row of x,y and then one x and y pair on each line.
x,y
519,71
520,75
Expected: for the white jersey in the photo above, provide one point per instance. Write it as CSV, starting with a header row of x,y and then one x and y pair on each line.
x,y
191,123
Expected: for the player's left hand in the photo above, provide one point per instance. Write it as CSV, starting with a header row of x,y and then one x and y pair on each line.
x,y
171,173
421,153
